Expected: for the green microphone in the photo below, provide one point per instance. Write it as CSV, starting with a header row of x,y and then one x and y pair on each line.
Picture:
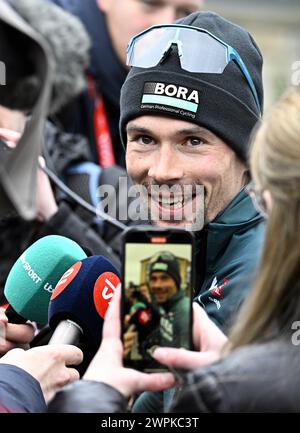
x,y
34,275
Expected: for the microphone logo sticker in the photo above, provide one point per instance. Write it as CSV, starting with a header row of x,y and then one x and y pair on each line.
x,y
66,279
105,287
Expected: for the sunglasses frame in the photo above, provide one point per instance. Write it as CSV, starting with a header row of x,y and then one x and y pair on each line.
x,y
231,52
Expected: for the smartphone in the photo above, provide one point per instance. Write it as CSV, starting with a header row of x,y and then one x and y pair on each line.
x,y
157,292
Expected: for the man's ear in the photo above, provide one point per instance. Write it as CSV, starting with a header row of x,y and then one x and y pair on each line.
x,y
104,5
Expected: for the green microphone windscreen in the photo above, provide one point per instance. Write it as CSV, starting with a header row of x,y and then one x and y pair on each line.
x,y
33,277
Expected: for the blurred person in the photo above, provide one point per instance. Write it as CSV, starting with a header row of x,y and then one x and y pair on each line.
x,y
133,301
137,300
144,289
55,214
28,379
63,152
110,24
140,319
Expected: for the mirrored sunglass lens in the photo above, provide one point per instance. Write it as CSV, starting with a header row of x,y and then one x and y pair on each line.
x,y
149,48
202,53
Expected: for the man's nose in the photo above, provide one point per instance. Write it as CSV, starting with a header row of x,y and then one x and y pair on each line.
x,y
167,166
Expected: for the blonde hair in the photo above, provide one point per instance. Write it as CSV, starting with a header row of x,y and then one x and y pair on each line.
x,y
274,302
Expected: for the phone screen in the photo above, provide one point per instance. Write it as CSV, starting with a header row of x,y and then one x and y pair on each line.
x,y
157,295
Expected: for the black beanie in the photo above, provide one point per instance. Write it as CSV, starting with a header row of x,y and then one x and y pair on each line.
x,y
166,262
224,102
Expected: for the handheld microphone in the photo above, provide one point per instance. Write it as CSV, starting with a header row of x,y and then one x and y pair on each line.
x,y
145,319
34,275
80,300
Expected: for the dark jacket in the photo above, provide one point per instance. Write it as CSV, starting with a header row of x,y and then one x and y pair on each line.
x,y
175,321
106,70
263,378
19,391
84,396
259,378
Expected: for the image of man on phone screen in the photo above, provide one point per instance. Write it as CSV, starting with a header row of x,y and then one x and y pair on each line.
x,y
165,321
171,300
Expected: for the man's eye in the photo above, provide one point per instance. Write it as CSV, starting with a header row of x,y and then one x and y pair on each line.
x,y
194,141
144,139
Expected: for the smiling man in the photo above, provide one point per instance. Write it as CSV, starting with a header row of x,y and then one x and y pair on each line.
x,y
162,286
171,300
172,153
187,112
188,106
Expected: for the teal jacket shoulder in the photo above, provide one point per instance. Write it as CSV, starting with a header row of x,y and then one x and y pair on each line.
x,y
233,246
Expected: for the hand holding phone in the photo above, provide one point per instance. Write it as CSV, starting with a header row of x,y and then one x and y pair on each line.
x,y
157,294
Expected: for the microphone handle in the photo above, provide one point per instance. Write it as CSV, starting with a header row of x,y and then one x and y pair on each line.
x,y
66,332
14,317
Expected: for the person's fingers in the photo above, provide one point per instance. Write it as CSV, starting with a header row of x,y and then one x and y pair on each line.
x,y
206,335
154,382
108,358
6,346
110,352
182,358
11,138
112,323
198,316
3,317
74,375
19,334
71,355
3,324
